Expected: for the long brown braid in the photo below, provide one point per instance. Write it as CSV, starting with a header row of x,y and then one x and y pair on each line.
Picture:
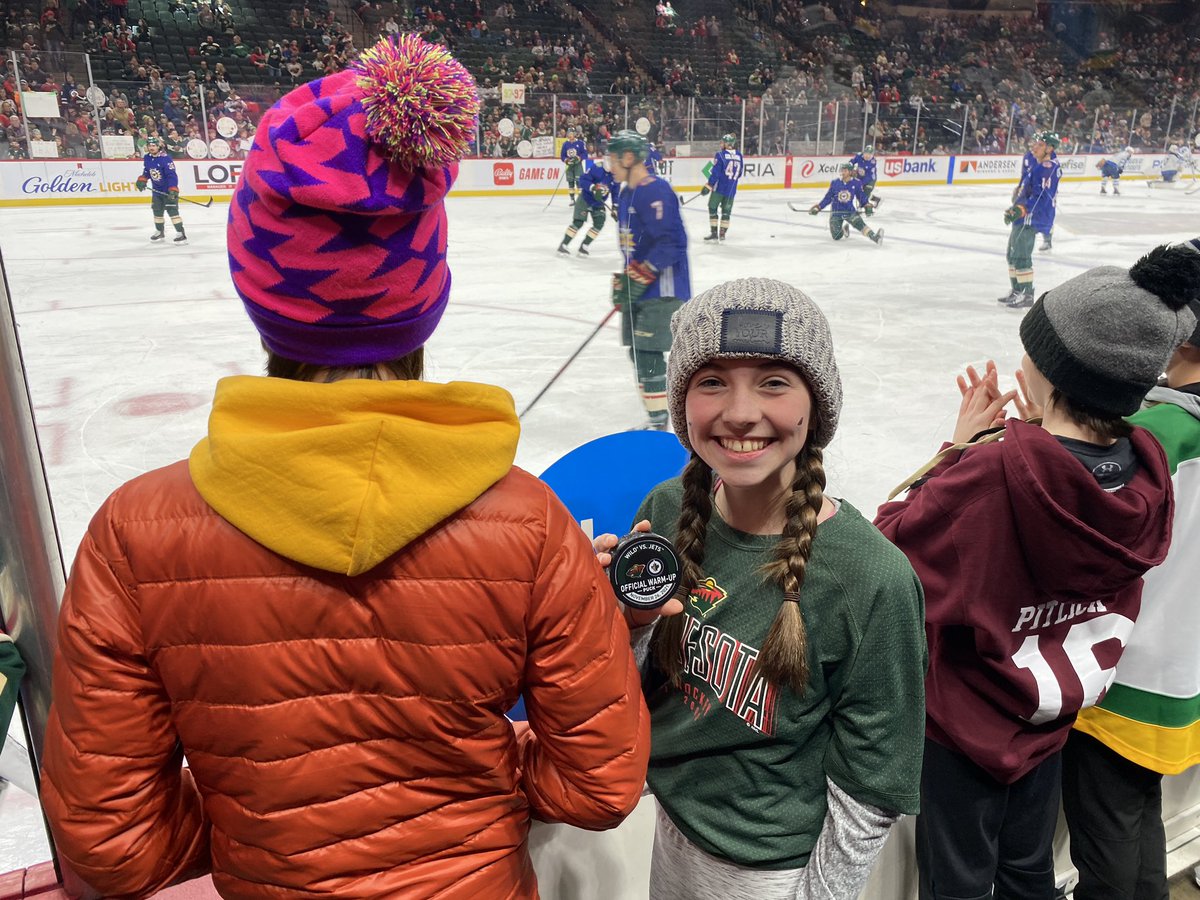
x,y
690,532
784,656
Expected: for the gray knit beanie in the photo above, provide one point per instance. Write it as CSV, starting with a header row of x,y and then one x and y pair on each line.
x,y
1104,337
755,317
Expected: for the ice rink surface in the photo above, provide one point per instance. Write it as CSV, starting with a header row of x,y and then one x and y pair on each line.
x,y
123,340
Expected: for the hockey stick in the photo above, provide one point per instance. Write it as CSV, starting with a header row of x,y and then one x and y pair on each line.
x,y
561,175
185,199
570,359
683,202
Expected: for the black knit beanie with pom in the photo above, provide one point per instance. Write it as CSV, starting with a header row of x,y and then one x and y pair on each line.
x,y
1104,337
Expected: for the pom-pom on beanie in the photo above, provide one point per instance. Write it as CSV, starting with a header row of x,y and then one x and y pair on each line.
x,y
337,230
748,318
1104,337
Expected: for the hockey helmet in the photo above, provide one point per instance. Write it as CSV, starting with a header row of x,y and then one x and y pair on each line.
x,y
1128,150
571,131
848,167
1050,139
629,141
154,142
730,138
869,150
1174,148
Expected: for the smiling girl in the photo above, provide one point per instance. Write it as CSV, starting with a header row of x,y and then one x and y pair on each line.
x,y
786,689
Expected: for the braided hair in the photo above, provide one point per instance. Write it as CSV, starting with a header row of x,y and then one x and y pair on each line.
x,y
784,656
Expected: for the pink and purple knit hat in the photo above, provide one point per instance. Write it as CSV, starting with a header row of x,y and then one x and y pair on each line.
x,y
337,230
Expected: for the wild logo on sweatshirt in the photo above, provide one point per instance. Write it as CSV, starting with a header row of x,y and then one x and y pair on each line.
x,y
723,672
706,595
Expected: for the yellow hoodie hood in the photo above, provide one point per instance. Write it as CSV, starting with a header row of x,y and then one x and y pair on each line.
x,y
342,475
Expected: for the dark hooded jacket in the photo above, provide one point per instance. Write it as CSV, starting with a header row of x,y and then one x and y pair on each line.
x,y
1033,581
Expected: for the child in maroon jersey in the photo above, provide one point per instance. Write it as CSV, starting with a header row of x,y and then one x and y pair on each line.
x,y
1031,542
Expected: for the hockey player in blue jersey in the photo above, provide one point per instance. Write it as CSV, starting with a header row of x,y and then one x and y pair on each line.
x,y
1112,169
595,188
847,197
727,169
158,170
655,280
1032,212
573,154
866,167
1028,163
654,160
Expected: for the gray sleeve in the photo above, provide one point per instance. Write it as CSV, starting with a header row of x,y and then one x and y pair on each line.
x,y
639,641
850,840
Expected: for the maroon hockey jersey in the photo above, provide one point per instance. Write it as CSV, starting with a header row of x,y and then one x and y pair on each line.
x,y
1033,581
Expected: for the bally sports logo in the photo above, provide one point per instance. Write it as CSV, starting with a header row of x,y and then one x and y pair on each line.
x,y
503,174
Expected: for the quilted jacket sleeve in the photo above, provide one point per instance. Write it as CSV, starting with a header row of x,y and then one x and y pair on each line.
x,y
125,814
584,758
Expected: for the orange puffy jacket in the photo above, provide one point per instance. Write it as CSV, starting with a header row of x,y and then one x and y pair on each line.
x,y
328,612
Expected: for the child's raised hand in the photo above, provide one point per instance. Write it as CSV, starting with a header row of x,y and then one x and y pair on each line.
x,y
982,405
972,379
1026,408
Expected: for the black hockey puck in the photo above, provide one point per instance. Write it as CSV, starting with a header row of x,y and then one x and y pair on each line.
x,y
644,570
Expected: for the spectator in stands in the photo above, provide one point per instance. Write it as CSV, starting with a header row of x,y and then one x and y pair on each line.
x,y
238,49
274,59
209,47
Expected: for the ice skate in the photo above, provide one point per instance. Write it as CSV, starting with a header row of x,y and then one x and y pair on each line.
x,y
1020,300
1045,247
713,237
180,238
157,236
845,229
1007,298
877,237
583,251
1116,191
1103,189
564,250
